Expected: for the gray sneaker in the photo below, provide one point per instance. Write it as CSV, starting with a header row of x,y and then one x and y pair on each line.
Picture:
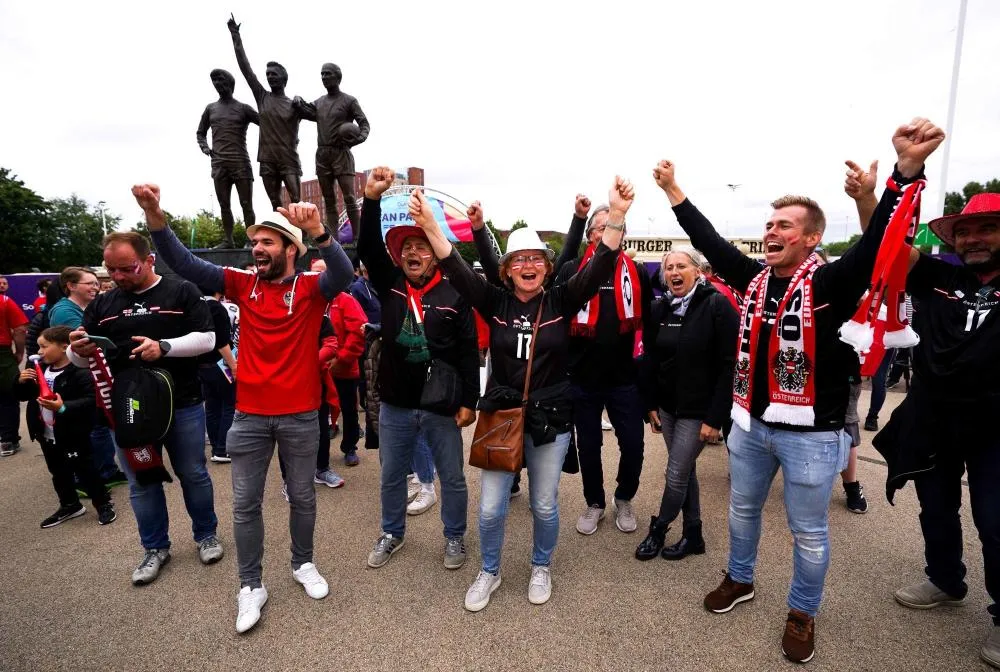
x,y
454,553
210,550
624,515
478,595
150,567
540,585
384,548
990,653
587,523
925,595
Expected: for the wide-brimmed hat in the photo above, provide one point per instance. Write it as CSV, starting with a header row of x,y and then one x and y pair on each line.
x,y
523,239
980,206
277,222
395,236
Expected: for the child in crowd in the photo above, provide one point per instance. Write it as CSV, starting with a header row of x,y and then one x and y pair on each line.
x,y
68,418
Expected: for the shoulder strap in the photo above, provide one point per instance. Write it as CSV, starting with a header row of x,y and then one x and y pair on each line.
x,y
531,350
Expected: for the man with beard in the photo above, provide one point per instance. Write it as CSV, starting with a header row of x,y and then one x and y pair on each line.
x,y
936,434
278,390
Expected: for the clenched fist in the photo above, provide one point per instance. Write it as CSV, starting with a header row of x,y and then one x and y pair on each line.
x,y
914,142
582,207
379,180
147,196
475,215
663,174
621,196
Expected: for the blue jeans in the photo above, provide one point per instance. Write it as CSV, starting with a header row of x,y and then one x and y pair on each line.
x,y
185,444
809,462
879,384
423,461
399,429
544,464
220,404
102,442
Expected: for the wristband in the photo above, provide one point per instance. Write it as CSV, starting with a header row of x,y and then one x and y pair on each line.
x,y
322,238
62,409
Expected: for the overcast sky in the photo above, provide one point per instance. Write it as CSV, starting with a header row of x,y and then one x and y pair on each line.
x,y
518,104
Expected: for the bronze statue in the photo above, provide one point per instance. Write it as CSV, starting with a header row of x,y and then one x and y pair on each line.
x,y
335,115
277,150
229,119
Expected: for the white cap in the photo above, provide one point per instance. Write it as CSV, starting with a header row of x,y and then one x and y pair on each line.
x,y
523,239
277,222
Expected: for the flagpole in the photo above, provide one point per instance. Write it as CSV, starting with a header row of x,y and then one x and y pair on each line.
x,y
949,124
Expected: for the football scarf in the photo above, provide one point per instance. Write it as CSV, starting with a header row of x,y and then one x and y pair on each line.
x,y
411,334
791,352
628,299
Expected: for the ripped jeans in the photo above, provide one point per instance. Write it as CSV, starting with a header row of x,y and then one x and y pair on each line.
x,y
810,462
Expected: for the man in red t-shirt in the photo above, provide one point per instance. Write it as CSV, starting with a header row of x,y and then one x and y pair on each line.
x,y
278,382
13,326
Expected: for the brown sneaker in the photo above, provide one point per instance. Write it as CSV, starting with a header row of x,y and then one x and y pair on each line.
x,y
728,595
800,630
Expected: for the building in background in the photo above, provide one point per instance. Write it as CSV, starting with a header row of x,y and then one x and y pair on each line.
x,y
312,193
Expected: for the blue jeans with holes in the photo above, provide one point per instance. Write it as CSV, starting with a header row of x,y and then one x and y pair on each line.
x,y
809,463
185,444
399,432
544,464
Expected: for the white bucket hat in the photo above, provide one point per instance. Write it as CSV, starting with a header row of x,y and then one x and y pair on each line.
x,y
276,222
523,239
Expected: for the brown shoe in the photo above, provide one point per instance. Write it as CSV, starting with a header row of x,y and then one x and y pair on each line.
x,y
728,595
800,630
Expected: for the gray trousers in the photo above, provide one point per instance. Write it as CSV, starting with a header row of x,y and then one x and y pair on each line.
x,y
680,494
251,442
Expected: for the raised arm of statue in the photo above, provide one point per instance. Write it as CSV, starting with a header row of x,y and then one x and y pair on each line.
x,y
244,62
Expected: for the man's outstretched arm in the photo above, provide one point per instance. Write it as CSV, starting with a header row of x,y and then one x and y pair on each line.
x,y
179,258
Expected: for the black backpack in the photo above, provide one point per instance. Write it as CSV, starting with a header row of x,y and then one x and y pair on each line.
x,y
142,402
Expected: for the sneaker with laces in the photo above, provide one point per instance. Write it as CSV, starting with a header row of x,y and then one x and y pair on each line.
x,y
624,515
152,562
856,502
385,546
990,653
925,595
454,553
351,459
798,643
728,595
210,550
329,478
588,520
540,585
106,514
412,489
478,595
310,578
251,601
8,448
63,514
221,459
425,500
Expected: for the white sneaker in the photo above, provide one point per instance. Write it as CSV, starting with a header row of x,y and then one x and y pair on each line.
x,y
425,500
315,585
478,595
412,489
606,426
540,585
250,604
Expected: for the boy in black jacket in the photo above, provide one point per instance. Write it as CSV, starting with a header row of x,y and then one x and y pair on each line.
x,y
67,419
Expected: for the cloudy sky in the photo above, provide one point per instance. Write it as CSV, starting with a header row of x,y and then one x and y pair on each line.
x,y
518,104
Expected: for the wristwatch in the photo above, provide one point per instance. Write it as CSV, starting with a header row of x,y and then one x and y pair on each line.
x,y
322,238
164,347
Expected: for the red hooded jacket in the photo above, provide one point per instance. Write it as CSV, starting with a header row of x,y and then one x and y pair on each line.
x,y
348,318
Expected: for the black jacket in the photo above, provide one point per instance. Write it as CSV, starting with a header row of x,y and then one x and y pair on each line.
x,y
76,387
689,374
449,325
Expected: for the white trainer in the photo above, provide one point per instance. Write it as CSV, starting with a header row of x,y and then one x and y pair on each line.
x,y
540,585
251,601
478,595
315,585
425,500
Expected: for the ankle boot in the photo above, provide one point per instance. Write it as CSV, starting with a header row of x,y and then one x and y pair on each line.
x,y
691,543
653,543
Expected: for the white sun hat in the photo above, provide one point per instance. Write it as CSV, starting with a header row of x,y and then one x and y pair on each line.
x,y
523,239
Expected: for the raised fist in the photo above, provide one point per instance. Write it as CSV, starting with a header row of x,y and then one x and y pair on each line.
x,y
380,179
147,196
421,212
234,27
914,142
582,207
475,215
859,183
621,195
663,174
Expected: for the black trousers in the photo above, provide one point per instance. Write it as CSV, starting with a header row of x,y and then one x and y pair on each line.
x,y
625,413
72,464
347,390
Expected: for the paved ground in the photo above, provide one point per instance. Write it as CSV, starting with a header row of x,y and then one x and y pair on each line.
x,y
67,603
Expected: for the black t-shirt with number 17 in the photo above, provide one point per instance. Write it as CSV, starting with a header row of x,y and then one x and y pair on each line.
x,y
168,309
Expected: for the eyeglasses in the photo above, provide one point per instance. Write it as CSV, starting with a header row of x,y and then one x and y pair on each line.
x,y
134,269
92,283
533,260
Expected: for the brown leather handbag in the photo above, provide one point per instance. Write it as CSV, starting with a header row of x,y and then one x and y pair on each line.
x,y
498,442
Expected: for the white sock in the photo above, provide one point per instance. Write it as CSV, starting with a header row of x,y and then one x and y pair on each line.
x,y
427,487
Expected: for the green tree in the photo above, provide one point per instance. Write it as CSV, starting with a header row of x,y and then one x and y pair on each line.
x,y
519,224
76,230
954,201
838,248
22,218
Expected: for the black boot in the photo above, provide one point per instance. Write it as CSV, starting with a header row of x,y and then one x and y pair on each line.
x,y
227,239
651,545
691,543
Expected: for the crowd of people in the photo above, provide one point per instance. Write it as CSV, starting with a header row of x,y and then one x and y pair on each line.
x,y
715,346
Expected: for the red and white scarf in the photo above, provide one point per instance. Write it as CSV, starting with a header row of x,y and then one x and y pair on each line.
x,y
146,462
628,299
888,283
791,353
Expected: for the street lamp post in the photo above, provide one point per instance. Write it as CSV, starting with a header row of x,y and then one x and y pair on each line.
x,y
104,223
946,153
